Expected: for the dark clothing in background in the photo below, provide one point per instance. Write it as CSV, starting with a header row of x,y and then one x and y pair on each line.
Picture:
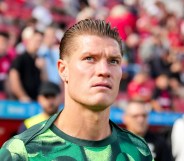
x,y
29,74
164,98
159,147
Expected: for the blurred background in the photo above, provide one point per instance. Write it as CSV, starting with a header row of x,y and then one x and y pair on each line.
x,y
153,62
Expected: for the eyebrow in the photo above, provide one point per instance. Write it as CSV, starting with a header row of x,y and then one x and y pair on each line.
x,y
117,56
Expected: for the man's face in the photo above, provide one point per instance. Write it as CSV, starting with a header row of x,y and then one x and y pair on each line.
x,y
93,72
49,103
136,119
34,43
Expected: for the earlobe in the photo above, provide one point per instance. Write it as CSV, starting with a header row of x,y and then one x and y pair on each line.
x,y
62,69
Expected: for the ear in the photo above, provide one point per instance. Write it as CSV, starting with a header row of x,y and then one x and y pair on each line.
x,y
63,69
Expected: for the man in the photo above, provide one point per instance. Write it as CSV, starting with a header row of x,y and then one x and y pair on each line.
x,y
177,139
5,62
48,99
49,52
27,71
136,121
90,66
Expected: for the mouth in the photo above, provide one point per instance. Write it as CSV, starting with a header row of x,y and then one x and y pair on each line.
x,y
102,85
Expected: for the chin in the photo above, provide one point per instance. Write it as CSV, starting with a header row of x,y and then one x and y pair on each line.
x,y
104,99
100,105
98,108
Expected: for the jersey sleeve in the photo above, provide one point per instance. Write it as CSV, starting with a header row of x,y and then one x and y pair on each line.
x,y
5,155
13,150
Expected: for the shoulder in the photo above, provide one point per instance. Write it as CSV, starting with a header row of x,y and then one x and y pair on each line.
x,y
35,130
178,125
20,57
35,120
14,149
24,138
179,122
121,132
19,60
28,135
131,141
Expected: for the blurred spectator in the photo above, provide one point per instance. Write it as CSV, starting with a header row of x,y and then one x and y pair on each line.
x,y
140,88
154,45
27,72
174,33
43,15
154,51
131,46
176,87
90,12
123,19
159,64
176,70
26,36
85,13
177,139
71,6
5,63
49,51
13,34
136,120
49,100
96,4
130,65
177,90
162,97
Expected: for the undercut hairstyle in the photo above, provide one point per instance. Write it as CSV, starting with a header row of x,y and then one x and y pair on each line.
x,y
87,27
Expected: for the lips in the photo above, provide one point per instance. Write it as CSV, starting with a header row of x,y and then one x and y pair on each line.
x,y
103,85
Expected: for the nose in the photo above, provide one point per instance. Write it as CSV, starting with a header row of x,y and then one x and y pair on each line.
x,y
103,69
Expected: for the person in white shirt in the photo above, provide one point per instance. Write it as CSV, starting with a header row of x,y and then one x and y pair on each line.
x,y
177,139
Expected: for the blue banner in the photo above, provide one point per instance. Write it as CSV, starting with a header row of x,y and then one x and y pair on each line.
x,y
154,118
18,110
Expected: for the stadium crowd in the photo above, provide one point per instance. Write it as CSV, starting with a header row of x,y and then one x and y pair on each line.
x,y
153,41
152,34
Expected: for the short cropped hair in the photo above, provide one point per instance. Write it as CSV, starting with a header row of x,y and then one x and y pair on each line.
x,y
88,27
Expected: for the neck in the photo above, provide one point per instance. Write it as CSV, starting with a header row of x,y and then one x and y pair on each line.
x,y
84,123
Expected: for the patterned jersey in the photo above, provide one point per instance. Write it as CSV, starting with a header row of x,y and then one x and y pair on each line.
x,y
45,142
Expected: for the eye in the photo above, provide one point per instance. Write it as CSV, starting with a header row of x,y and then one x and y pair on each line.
x,y
89,59
114,61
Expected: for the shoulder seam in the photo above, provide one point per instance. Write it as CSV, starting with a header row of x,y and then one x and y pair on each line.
x,y
129,132
40,128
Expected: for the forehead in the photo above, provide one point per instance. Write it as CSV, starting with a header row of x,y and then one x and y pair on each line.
x,y
97,44
136,108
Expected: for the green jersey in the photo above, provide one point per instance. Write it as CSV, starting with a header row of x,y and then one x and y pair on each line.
x,y
45,142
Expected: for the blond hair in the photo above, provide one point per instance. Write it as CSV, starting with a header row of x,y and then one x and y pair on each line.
x,y
87,27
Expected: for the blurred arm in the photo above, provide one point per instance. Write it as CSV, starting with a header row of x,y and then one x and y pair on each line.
x,y
16,86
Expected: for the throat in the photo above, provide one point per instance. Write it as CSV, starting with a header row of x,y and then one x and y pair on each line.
x,y
84,126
